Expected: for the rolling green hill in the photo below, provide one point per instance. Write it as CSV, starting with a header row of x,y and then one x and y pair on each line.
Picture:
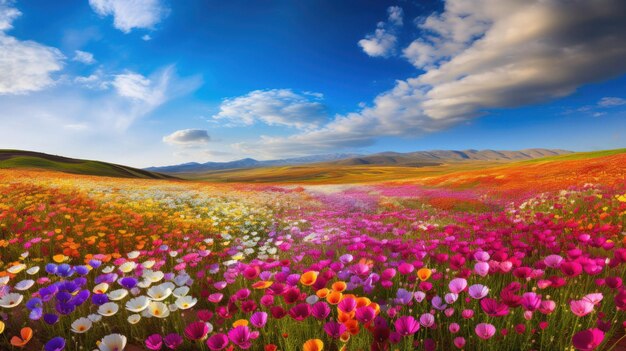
x,y
38,160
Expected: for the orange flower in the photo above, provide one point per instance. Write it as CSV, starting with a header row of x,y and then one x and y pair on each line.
x,y
353,326
339,286
343,317
239,322
309,278
424,273
334,297
313,345
263,284
345,336
26,333
362,301
322,293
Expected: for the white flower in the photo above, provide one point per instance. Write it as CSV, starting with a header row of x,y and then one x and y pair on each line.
x,y
11,300
24,284
108,269
108,309
186,302
100,288
112,342
17,268
134,318
133,254
180,292
148,264
118,294
127,267
81,325
158,309
138,303
153,276
159,292
33,270
94,317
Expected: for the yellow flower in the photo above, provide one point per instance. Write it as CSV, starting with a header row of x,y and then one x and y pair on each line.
x,y
239,322
1,327
59,258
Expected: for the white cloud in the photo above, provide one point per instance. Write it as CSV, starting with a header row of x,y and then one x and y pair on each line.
x,y
382,42
25,66
477,56
129,14
8,14
144,94
146,37
187,137
84,57
276,107
611,101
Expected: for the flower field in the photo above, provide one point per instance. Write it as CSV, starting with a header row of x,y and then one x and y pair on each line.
x,y
498,260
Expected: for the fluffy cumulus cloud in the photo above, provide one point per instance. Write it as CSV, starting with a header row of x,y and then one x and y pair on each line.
x,y
84,57
382,42
129,14
477,56
25,66
187,137
276,107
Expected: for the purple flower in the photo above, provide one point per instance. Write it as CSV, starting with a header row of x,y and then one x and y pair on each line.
x,y
51,268
427,320
406,325
403,296
128,282
81,270
99,299
50,318
55,344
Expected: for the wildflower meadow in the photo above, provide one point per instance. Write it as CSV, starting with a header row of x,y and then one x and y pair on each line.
x,y
96,263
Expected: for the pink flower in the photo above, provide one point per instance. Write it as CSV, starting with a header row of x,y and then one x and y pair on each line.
x,y
241,336
594,298
588,340
581,307
154,342
406,325
459,342
481,268
457,285
494,308
427,320
454,328
405,268
172,341
485,330
196,330
258,319
478,291
553,261
365,314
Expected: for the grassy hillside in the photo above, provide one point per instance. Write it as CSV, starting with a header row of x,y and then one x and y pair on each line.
x,y
37,160
338,174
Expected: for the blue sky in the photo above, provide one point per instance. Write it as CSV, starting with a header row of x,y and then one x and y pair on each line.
x,y
156,82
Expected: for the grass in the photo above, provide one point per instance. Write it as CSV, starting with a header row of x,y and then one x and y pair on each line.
x,y
16,159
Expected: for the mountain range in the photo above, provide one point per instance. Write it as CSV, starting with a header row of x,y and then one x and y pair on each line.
x,y
409,159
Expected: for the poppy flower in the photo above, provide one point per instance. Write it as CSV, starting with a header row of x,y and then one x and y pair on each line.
x,y
55,344
406,325
217,342
313,345
154,342
112,342
424,273
25,335
588,340
485,330
309,278
197,330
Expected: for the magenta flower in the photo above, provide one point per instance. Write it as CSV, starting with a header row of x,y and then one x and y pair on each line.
x,y
571,269
334,329
196,330
588,340
347,305
300,312
494,308
457,285
553,261
481,268
459,342
427,320
241,336
154,342
406,325
172,341
217,342
320,310
258,319
485,330
531,301
365,314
